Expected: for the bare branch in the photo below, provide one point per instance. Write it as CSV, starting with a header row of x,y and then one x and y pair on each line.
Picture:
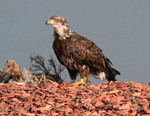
x,y
52,71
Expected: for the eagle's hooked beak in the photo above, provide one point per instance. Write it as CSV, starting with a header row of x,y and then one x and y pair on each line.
x,y
50,21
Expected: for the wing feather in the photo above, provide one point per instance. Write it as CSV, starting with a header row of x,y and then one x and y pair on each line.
x,y
86,52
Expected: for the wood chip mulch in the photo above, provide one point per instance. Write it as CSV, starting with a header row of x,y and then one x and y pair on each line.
x,y
51,99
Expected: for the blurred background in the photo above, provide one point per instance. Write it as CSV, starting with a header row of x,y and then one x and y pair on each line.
x,y
120,28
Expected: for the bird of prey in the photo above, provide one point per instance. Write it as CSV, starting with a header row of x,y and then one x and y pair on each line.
x,y
79,54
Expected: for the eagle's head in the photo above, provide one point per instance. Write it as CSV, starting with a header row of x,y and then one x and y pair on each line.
x,y
60,25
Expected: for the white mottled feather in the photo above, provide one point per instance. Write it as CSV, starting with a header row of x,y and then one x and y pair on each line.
x,y
101,76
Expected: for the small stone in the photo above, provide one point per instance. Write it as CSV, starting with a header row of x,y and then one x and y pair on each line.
x,y
15,99
2,104
99,98
112,92
145,105
51,95
147,111
133,113
126,106
136,94
20,84
137,85
27,108
99,103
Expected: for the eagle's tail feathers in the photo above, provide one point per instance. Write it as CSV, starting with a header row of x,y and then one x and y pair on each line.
x,y
115,72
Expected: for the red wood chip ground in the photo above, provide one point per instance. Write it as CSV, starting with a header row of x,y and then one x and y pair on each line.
x,y
51,99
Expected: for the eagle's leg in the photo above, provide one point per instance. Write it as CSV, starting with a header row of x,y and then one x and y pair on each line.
x,y
72,74
84,73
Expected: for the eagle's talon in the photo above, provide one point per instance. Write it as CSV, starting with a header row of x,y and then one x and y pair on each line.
x,y
80,82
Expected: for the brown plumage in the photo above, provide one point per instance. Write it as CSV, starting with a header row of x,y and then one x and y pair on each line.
x,y
79,54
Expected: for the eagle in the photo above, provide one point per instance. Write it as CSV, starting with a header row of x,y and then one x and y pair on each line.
x,y
79,54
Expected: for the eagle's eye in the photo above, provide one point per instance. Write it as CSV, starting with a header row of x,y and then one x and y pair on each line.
x,y
57,20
